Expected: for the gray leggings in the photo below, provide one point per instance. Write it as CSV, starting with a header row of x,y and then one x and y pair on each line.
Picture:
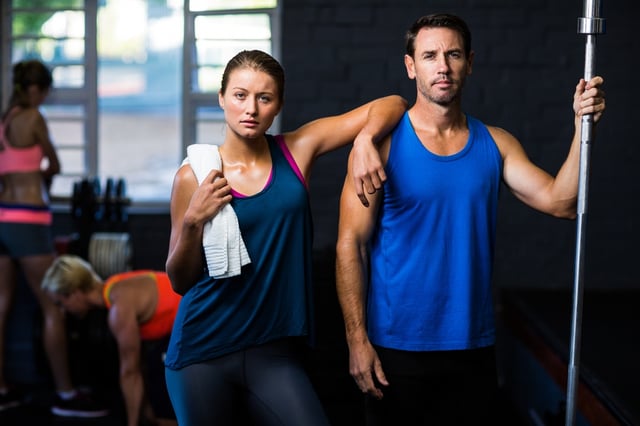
x,y
264,385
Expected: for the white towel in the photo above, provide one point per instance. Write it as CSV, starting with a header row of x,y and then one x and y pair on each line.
x,y
224,247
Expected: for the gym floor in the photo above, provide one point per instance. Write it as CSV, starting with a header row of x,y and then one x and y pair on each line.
x,y
94,364
341,399
610,349
36,411
610,344
94,356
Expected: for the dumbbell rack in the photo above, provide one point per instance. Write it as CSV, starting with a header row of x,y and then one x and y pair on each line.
x,y
101,221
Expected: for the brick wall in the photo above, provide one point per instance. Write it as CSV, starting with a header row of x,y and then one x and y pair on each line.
x,y
528,58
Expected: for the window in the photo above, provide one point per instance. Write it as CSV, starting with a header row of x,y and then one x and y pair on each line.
x,y
135,81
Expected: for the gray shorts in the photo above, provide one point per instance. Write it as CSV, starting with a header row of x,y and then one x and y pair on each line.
x,y
25,239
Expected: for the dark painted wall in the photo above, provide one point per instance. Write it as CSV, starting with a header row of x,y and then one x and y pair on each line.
x,y
528,58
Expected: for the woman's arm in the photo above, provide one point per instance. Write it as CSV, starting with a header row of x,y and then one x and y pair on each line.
x,y
191,206
42,137
365,125
365,166
124,326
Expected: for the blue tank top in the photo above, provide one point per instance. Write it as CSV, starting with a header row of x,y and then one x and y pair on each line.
x,y
272,297
432,252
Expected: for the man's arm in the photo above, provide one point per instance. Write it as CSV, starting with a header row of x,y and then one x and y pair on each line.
x,y
535,187
124,326
355,228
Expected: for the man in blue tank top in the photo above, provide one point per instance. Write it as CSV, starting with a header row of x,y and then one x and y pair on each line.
x,y
414,267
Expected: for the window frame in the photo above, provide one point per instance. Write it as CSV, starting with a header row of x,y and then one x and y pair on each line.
x,y
191,101
86,97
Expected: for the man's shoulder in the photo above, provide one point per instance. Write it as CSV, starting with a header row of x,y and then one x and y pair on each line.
x,y
498,132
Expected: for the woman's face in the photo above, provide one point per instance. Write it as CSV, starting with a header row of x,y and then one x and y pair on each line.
x,y
37,95
75,303
250,102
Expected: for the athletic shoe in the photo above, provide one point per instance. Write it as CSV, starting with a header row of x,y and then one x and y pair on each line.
x,y
81,405
10,399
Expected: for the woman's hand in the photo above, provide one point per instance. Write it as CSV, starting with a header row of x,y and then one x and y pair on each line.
x,y
209,198
366,168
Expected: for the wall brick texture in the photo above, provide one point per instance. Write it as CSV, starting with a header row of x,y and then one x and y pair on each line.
x,y
528,58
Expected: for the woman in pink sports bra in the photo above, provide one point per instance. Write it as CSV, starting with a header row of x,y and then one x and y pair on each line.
x,y
26,240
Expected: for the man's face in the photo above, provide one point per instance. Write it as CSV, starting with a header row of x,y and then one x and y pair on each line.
x,y
439,65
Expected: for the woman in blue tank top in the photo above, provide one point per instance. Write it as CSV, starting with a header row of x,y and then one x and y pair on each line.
x,y
237,340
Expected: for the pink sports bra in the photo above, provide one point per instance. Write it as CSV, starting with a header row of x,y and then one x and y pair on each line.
x,y
18,160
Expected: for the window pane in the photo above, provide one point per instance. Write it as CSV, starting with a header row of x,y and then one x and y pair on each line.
x,y
67,133
218,52
50,36
66,125
211,132
65,23
25,49
62,185
139,90
139,81
201,5
68,77
219,38
48,50
210,127
51,4
141,147
72,163
208,79
213,57
63,122
29,24
233,27
69,51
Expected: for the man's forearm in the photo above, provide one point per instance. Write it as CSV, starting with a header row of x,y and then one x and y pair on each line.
x,y
350,283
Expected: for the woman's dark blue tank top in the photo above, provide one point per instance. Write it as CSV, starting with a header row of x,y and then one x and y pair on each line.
x,y
272,298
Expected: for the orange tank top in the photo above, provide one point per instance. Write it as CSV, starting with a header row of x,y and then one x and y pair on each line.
x,y
161,322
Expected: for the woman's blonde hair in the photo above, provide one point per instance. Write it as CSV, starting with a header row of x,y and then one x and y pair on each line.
x,y
69,273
